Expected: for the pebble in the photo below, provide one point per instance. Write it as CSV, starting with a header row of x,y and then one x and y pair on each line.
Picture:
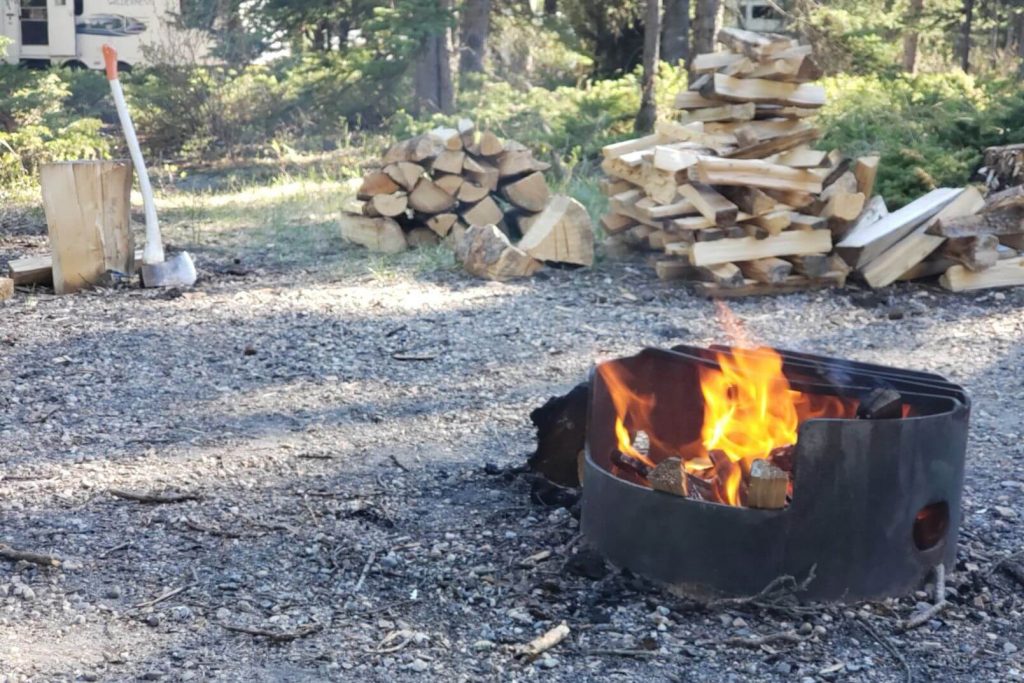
x,y
390,561
419,666
114,592
1009,648
483,645
739,622
784,668
152,620
223,614
547,662
1005,512
181,612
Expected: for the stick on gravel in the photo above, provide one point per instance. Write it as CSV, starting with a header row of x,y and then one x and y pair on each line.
x,y
538,646
154,498
12,555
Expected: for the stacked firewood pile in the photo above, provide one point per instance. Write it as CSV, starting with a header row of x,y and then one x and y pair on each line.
x,y
740,203
1003,167
475,191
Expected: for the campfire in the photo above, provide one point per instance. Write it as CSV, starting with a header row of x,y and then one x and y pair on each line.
x,y
716,470
744,455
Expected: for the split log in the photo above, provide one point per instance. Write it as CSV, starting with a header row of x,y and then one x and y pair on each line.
x,y
611,186
485,251
467,132
773,222
484,212
530,192
451,184
801,157
670,476
974,253
865,170
6,288
759,90
619,149
442,223
768,486
1006,273
688,99
810,265
483,174
376,234
710,204
31,270
672,132
1008,221
490,145
417,149
631,464
1004,166
754,173
768,270
864,244
471,193
562,233
782,143
614,223
726,112
405,173
709,62
754,44
881,404
448,138
748,248
428,198
87,206
800,221
749,199
1013,196
449,161
725,275
519,163
389,205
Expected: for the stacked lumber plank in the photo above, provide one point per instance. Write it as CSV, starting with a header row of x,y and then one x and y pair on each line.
x,y
436,186
732,191
971,241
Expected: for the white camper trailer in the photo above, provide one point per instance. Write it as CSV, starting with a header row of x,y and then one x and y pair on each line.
x,y
71,32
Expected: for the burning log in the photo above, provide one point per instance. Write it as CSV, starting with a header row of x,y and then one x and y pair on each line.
x,y
768,486
782,457
670,476
632,464
881,404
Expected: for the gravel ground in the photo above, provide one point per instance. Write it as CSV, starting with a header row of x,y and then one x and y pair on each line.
x,y
335,431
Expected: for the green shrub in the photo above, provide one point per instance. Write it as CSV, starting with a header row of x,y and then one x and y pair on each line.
x,y
930,129
36,127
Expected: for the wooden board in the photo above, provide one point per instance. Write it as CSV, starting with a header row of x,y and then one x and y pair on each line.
x,y
795,242
87,205
31,270
918,245
1006,273
755,90
755,173
864,244
709,203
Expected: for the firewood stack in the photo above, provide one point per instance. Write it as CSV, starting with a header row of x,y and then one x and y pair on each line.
x,y
438,185
732,191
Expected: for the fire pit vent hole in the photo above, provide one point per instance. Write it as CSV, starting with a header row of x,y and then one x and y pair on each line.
x,y
931,525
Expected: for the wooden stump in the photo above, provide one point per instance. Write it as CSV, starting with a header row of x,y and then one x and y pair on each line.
x,y
87,206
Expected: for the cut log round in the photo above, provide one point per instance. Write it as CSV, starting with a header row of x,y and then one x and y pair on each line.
x,y
467,131
449,161
417,149
449,138
376,234
490,144
562,233
427,197
483,174
512,164
450,184
530,192
442,223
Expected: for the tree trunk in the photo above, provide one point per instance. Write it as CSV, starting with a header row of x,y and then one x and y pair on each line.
x,y
1020,44
474,25
965,36
550,8
910,37
704,28
675,34
648,113
433,74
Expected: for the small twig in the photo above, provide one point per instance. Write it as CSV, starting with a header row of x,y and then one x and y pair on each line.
x,y
166,595
366,570
395,330
757,641
10,554
111,551
538,646
405,636
926,615
154,498
884,642
412,355
771,595
398,463
274,636
616,652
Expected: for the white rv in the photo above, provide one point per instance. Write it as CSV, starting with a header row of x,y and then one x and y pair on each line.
x,y
71,32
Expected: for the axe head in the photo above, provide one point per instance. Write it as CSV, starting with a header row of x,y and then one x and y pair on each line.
x,y
177,271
